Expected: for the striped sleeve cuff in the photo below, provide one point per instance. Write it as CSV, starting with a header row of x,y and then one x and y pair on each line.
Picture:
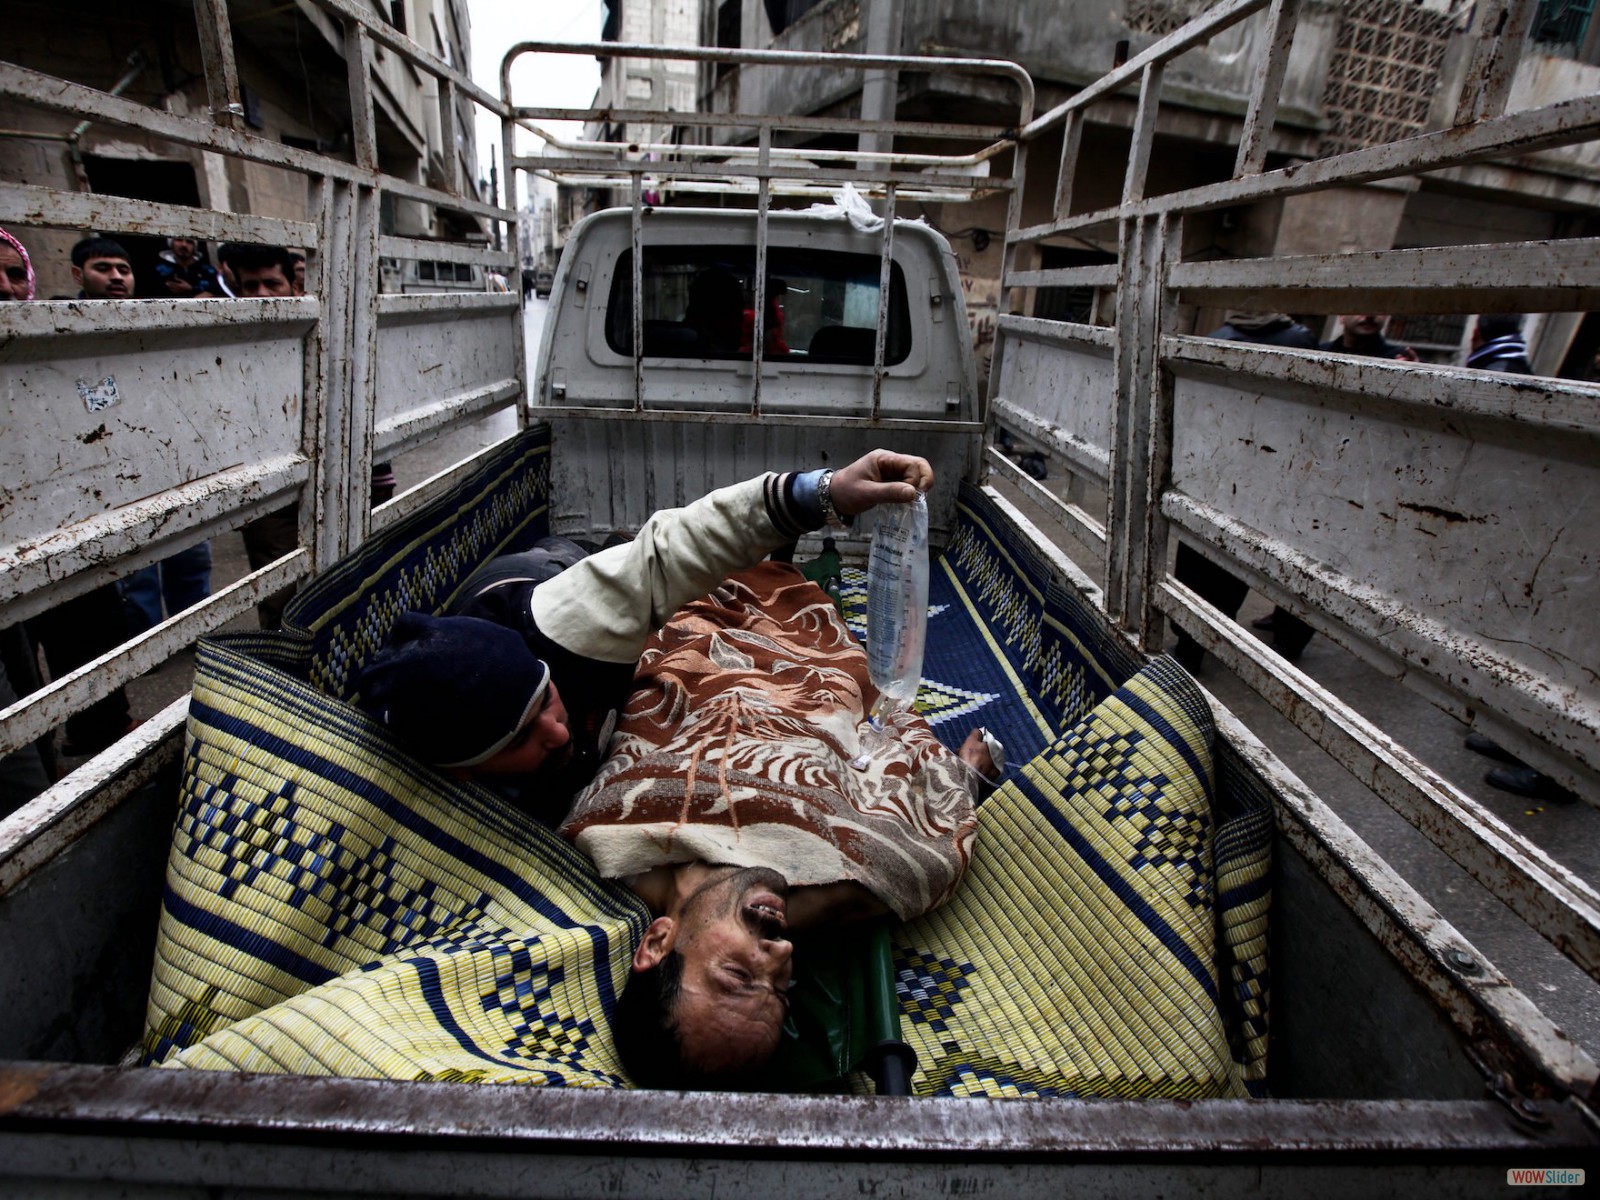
x,y
793,503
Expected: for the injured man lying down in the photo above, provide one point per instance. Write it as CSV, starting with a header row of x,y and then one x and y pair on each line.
x,y
729,795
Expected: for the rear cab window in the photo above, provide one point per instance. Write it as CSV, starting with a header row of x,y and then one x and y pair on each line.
x,y
698,302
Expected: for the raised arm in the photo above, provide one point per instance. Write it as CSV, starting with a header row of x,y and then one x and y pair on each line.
x,y
606,606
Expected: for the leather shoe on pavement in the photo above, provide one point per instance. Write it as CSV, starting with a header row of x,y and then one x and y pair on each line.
x,y
1480,744
1525,781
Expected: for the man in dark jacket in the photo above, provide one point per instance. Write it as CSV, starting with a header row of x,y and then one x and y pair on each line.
x,y
1266,329
538,707
1362,333
1497,345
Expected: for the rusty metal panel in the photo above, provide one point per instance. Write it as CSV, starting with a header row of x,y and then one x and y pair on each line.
x,y
1460,547
28,204
41,711
438,353
1502,32
43,828
1540,276
1265,89
1566,123
1144,132
379,30
1055,387
221,71
358,62
111,402
399,247
157,1130
1196,32
1552,899
1078,523
610,474
1462,980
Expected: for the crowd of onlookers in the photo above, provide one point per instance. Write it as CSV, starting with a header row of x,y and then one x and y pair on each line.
x,y
79,630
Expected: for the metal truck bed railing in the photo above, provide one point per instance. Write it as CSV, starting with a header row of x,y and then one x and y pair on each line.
x,y
1113,404
1206,440
290,400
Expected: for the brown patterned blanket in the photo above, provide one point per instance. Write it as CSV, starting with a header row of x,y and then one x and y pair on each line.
x,y
736,745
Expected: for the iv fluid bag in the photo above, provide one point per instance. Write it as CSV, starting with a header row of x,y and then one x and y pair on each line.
x,y
897,600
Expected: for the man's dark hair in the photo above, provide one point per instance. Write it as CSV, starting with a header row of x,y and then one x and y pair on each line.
x,y
645,1026
1499,325
645,1029
97,247
260,258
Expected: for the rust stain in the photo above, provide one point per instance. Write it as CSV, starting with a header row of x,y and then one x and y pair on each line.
x,y
1444,514
17,1088
1527,588
95,435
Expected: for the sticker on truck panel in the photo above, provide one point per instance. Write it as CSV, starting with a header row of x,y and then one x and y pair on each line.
x,y
97,397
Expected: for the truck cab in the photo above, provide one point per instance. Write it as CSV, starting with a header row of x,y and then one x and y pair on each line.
x,y
697,311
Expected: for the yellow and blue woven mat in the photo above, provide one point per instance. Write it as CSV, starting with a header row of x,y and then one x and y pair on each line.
x,y
1078,956
334,907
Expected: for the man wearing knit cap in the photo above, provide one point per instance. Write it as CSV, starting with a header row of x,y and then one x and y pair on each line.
x,y
447,688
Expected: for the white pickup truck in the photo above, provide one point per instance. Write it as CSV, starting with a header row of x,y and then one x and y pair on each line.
x,y
685,348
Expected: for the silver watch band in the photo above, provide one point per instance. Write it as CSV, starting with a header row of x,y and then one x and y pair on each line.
x,y
825,497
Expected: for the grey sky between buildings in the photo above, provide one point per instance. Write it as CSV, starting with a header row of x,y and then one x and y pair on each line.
x,y
557,79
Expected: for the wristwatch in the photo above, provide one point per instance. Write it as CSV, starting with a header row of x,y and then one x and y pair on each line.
x,y
830,514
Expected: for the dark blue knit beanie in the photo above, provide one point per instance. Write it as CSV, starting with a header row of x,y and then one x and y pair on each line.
x,y
455,690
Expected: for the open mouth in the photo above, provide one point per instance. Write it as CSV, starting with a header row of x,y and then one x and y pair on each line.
x,y
767,911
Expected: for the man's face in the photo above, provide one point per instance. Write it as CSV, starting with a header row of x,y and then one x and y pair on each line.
x,y
105,278
264,281
13,275
1368,325
299,277
545,742
737,963
183,250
